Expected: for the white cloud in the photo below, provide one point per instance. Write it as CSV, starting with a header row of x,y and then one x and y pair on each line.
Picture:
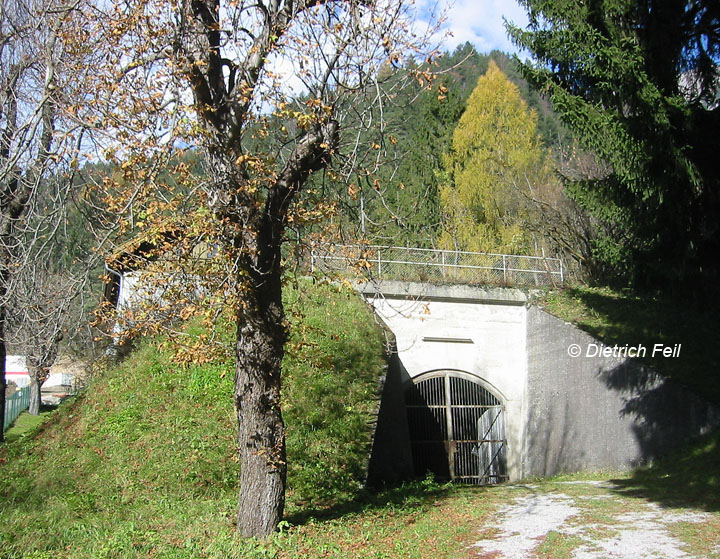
x,y
479,22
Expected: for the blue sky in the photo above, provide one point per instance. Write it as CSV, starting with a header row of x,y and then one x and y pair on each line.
x,y
479,21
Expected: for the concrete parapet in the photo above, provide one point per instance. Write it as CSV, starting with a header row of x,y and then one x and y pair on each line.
x,y
451,292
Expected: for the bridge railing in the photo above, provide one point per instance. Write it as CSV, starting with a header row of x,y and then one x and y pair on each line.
x,y
436,265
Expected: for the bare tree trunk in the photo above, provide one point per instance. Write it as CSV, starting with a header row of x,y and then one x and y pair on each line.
x,y
34,408
261,336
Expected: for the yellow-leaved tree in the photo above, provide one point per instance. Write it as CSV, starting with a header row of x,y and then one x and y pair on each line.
x,y
498,174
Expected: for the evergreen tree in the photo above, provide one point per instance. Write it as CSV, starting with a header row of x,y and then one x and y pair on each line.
x,y
637,82
413,187
405,207
399,203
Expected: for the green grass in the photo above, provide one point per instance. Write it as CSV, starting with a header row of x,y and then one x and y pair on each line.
x,y
145,463
333,368
25,425
558,546
689,478
624,318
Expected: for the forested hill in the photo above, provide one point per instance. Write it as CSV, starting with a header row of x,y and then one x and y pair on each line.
x,y
399,204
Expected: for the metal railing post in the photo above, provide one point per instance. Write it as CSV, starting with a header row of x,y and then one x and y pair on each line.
x,y
379,265
504,269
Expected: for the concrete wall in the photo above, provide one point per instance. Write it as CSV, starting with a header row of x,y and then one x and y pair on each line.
x,y
588,412
391,459
562,413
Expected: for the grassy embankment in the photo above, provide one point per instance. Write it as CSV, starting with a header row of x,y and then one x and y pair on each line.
x,y
144,462
144,465
26,425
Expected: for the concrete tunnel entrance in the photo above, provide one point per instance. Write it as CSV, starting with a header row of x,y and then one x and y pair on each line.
x,y
481,388
456,428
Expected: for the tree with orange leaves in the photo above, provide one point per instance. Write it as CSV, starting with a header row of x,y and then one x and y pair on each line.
x,y
269,92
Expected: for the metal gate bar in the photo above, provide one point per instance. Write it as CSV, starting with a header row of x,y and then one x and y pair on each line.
x,y
445,413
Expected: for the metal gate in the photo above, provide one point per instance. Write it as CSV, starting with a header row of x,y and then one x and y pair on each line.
x,y
457,428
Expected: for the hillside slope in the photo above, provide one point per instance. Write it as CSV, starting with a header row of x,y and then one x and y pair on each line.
x,y
144,462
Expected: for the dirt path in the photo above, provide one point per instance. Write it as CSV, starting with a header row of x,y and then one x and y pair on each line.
x,y
588,520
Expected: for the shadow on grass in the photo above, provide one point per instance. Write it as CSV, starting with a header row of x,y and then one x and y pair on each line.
x,y
630,319
405,497
690,478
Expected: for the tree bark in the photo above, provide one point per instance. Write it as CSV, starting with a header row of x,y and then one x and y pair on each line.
x,y
261,336
3,355
261,328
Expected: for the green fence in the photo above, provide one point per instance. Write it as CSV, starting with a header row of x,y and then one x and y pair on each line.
x,y
16,404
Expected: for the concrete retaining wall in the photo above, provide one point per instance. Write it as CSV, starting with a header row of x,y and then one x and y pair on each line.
x,y
562,413
589,413
391,459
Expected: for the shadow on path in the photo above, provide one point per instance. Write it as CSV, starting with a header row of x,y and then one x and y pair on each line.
x,y
690,478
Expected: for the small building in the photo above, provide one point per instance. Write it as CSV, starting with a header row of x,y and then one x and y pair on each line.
x,y
56,387
16,371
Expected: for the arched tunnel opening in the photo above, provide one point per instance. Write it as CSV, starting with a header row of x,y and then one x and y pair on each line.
x,y
456,427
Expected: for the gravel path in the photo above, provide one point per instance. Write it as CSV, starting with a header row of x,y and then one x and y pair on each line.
x,y
640,533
